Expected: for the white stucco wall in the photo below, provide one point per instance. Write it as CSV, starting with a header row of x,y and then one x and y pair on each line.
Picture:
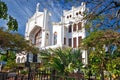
x,y
36,19
76,19
21,55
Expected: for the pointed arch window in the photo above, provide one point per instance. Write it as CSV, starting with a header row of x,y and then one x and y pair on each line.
x,y
37,38
23,59
55,38
47,39
18,60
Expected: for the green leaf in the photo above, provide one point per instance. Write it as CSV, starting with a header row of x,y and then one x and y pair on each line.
x,y
12,24
3,10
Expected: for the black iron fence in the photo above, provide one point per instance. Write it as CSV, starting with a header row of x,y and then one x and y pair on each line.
x,y
41,75
47,75
3,75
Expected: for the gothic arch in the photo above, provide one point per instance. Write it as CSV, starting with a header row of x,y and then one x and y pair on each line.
x,y
18,60
23,59
35,35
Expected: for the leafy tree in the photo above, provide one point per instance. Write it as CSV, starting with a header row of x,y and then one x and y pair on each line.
x,y
96,43
113,63
103,15
11,22
113,67
10,60
13,42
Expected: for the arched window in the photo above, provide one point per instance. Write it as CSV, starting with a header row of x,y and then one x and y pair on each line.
x,y
67,16
70,42
55,38
76,13
18,60
23,59
74,27
74,42
70,28
79,26
79,41
47,39
37,38
79,12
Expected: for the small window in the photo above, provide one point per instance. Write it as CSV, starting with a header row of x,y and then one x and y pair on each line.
x,y
67,16
83,60
23,59
64,41
47,36
70,42
47,39
79,26
70,28
74,42
74,27
77,13
18,60
79,41
55,38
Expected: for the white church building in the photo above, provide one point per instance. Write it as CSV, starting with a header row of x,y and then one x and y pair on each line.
x,y
45,34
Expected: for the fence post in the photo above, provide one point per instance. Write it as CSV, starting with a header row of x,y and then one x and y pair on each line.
x,y
47,74
3,76
53,75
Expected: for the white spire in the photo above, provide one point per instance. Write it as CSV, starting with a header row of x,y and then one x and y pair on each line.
x,y
37,10
37,7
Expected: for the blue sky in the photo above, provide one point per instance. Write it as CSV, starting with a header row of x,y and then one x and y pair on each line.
x,y
24,9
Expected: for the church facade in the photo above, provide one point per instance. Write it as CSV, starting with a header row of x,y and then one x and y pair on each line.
x,y
69,32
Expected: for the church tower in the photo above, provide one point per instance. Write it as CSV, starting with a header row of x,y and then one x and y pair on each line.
x,y
37,28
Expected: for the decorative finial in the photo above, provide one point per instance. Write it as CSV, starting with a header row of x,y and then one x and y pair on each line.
x,y
37,7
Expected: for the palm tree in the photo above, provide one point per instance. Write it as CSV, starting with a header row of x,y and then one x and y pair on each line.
x,y
63,61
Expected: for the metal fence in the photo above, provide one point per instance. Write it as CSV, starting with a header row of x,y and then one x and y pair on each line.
x,y
3,75
41,75
52,75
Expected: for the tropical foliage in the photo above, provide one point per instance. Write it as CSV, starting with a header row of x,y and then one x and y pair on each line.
x,y
103,49
64,61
